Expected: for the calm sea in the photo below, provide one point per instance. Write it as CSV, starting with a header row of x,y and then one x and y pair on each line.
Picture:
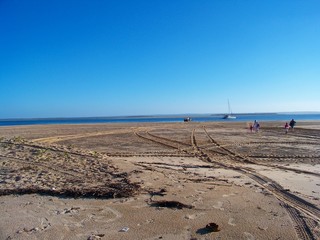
x,y
196,118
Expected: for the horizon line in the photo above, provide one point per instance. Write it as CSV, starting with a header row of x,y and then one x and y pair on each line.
x,y
158,115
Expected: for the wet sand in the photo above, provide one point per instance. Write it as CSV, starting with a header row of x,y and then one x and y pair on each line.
x,y
160,181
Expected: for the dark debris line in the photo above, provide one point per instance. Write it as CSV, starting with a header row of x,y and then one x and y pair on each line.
x,y
93,179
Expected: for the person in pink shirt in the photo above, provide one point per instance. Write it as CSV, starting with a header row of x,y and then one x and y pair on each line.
x,y
286,127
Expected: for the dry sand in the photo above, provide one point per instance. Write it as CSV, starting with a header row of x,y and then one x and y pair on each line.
x,y
160,181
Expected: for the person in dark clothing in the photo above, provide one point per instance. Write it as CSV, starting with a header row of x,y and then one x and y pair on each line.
x,y
292,124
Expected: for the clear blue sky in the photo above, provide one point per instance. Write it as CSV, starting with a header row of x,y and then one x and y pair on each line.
x,y
121,57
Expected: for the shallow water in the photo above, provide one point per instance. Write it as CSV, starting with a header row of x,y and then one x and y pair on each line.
x,y
169,118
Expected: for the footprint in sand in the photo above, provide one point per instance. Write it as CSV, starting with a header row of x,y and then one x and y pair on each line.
x,y
194,216
44,223
249,236
228,195
86,216
219,206
104,215
200,191
231,222
198,200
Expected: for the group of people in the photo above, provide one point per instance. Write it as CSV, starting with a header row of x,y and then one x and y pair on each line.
x,y
291,125
255,127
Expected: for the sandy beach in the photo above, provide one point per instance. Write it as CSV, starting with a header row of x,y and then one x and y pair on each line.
x,y
189,180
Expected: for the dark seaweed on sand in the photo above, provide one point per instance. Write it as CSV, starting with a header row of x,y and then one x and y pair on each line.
x,y
170,204
115,190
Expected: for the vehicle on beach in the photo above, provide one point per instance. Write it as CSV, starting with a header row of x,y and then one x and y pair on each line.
x,y
229,114
187,119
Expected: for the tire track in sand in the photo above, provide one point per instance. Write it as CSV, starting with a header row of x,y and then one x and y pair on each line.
x,y
77,136
294,204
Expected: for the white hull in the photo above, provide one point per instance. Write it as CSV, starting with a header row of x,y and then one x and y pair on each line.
x,y
229,117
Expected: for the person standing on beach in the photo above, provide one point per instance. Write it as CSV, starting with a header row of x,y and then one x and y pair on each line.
x,y
286,127
292,124
256,126
251,127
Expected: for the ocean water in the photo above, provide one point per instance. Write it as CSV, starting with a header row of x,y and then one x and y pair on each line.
x,y
169,118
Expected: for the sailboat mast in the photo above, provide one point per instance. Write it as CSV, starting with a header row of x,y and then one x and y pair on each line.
x,y
229,114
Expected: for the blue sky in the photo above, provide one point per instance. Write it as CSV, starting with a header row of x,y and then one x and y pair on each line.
x,y
113,58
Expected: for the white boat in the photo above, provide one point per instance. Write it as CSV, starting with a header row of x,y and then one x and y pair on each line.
x,y
229,115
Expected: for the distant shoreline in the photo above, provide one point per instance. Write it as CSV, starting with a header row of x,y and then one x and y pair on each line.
x,y
161,116
242,117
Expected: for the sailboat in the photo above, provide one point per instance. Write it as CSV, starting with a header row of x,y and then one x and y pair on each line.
x,y
229,115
